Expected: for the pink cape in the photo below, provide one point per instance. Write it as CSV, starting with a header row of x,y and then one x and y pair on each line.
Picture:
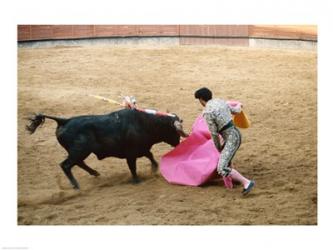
x,y
193,162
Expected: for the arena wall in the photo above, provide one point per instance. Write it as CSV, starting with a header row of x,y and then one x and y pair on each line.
x,y
290,36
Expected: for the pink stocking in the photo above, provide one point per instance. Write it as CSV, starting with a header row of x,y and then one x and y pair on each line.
x,y
235,175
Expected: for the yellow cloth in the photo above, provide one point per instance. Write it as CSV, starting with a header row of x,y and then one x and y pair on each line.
x,y
241,120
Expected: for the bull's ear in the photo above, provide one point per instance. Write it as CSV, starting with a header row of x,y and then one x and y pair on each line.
x,y
167,110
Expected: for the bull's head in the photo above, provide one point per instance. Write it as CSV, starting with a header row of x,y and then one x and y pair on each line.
x,y
179,128
177,131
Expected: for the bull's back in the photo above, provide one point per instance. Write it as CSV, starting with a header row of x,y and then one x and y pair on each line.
x,y
109,134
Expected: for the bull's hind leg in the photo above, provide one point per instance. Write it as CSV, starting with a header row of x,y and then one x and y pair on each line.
x,y
66,166
154,164
76,155
85,167
132,166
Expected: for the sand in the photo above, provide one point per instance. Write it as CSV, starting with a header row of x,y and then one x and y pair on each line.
x,y
277,87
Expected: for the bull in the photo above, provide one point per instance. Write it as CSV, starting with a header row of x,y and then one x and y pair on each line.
x,y
126,134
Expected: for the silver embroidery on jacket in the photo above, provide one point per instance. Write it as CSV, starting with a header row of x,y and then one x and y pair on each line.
x,y
217,114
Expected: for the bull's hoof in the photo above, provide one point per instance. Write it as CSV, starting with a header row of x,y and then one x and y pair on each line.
x,y
136,181
75,185
96,174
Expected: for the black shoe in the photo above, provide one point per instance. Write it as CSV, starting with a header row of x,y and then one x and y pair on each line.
x,y
249,188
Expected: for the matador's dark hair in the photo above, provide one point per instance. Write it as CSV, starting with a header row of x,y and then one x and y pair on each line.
x,y
204,94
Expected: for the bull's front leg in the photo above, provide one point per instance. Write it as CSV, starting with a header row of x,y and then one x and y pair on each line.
x,y
132,166
154,164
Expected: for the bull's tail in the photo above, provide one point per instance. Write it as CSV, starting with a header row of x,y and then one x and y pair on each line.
x,y
38,119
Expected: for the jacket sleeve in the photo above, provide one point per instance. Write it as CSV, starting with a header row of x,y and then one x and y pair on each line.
x,y
213,129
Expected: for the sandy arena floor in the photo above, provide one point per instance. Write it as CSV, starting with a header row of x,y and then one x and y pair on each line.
x,y
277,87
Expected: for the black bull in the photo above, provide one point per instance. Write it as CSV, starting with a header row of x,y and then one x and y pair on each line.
x,y
126,134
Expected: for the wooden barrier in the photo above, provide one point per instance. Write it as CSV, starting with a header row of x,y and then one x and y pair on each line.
x,y
187,34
